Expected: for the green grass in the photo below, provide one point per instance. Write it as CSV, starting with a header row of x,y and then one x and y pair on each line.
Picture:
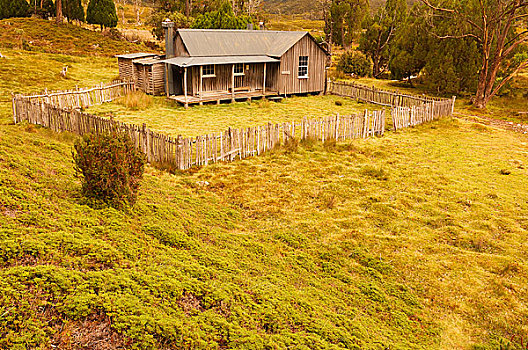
x,y
173,119
46,36
415,240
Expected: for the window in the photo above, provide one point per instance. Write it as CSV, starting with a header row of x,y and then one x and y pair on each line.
x,y
208,70
303,67
239,68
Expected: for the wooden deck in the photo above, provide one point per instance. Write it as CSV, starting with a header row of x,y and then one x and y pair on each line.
x,y
219,96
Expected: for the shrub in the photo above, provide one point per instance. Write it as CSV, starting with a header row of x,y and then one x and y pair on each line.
x,y
110,168
43,9
355,62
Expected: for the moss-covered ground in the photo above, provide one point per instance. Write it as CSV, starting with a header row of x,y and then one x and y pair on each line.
x,y
416,240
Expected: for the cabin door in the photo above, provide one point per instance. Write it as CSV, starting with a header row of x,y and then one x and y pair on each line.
x,y
240,78
177,80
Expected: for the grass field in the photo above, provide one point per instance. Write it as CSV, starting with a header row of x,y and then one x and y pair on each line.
x,y
169,117
416,240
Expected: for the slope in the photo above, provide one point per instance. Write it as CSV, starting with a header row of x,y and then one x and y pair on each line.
x,y
416,240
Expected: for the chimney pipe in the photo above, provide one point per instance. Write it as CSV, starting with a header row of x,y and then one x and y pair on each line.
x,y
168,28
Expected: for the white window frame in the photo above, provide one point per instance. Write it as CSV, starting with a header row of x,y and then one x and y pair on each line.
x,y
305,76
239,73
213,75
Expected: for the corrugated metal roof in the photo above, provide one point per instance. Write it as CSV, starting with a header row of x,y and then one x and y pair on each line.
x,y
230,42
148,60
199,61
136,55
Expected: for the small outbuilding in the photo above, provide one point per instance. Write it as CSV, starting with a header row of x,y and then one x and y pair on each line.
x,y
214,64
146,70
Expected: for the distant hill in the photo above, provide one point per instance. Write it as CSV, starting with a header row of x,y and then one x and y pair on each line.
x,y
307,6
32,34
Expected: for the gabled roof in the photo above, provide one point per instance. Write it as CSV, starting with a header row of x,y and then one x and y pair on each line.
x,y
231,42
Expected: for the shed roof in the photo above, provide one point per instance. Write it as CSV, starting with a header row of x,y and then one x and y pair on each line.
x,y
148,61
185,61
136,55
230,42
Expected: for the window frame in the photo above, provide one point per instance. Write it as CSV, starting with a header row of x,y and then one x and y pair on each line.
x,y
302,66
210,75
238,74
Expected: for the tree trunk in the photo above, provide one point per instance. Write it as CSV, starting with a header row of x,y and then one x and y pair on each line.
x,y
58,4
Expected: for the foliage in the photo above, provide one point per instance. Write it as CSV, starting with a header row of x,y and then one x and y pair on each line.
x,y
136,100
43,9
410,49
223,18
379,32
345,20
102,12
110,167
355,62
14,8
498,29
73,10
157,17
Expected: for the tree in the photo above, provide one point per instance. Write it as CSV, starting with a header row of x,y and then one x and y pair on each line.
x,y
43,8
73,10
345,19
58,11
223,18
157,17
102,12
14,8
499,29
379,33
410,48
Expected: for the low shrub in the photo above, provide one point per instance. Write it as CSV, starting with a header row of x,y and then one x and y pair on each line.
x,y
355,62
110,168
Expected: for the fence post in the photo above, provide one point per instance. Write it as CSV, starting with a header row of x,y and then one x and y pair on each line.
x,y
13,104
453,105
179,153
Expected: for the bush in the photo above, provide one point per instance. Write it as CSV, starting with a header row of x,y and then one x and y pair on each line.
x,y
14,8
355,62
43,9
110,168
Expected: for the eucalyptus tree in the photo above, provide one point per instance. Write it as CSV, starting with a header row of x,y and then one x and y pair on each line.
x,y
498,27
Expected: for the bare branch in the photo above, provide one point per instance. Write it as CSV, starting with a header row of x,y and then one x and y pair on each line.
x,y
508,78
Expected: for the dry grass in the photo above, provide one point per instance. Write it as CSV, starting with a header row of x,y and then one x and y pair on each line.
x,y
135,101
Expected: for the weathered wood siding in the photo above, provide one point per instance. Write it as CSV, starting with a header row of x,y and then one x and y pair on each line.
x,y
157,79
126,69
179,47
253,78
291,83
150,78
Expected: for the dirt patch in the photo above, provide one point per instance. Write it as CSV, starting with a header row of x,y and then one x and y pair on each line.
x,y
94,333
503,124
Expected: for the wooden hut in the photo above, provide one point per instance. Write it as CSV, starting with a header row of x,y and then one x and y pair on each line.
x,y
126,65
150,75
213,65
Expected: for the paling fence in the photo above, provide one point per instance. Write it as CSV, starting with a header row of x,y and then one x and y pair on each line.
x,y
406,110
183,153
80,97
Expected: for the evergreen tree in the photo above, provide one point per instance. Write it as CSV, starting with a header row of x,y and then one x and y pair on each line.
x,y
14,8
379,32
42,8
102,12
73,10
223,18
345,20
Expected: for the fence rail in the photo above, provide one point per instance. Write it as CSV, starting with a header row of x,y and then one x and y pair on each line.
x,y
406,110
183,153
80,97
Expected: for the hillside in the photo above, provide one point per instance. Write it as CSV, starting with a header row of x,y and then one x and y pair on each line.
x,y
416,240
45,36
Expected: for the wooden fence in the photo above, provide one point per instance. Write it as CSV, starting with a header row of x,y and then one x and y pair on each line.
x,y
183,153
407,110
80,97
